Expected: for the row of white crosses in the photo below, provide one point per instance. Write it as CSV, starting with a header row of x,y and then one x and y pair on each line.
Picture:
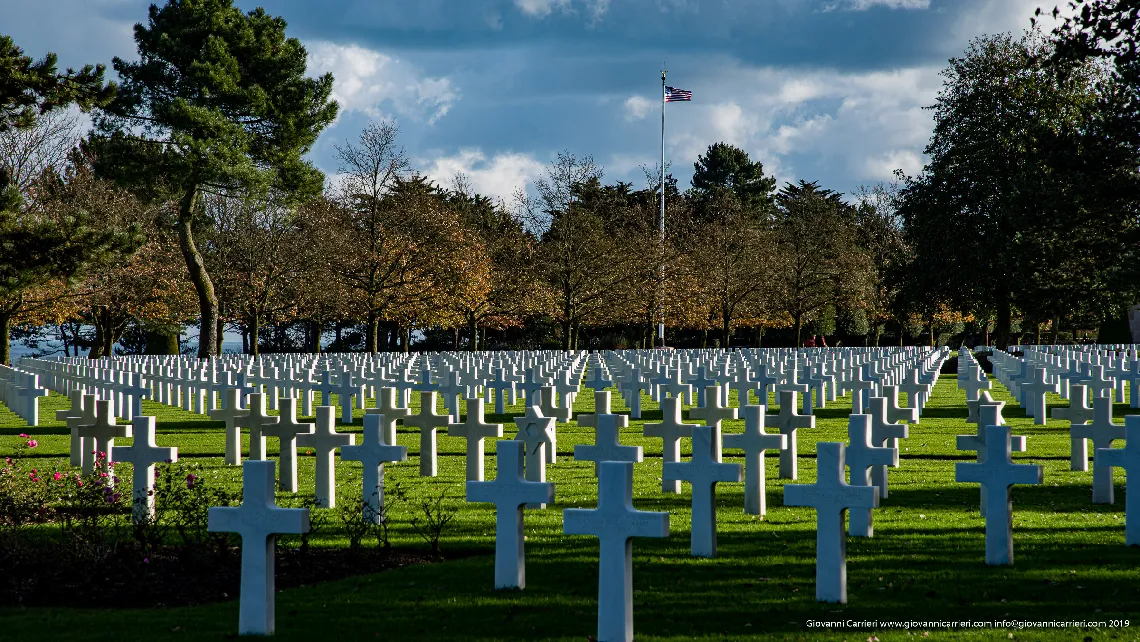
x,y
994,444
21,392
1086,423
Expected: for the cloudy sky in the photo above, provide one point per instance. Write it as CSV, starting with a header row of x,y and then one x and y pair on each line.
x,y
827,90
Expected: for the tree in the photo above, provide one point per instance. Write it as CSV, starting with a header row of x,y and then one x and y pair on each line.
x,y
817,262
999,200
493,288
731,254
725,166
49,244
29,90
575,252
879,231
218,102
255,249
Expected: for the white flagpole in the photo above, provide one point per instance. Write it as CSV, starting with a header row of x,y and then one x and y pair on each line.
x,y
661,221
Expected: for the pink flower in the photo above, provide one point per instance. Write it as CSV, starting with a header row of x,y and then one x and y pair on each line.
x,y
146,560
32,443
57,476
190,480
102,474
78,483
24,436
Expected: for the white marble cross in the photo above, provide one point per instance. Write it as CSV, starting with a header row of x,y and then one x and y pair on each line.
x,y
885,434
428,421
258,520
788,422
387,404
754,441
372,453
286,431
1127,458
102,433
603,402
254,421
831,497
347,388
713,413
509,492
74,412
996,474
703,471
229,413
862,455
607,444
80,449
474,430
615,522
1034,391
988,415
1077,412
325,440
548,403
142,455
670,431
1102,432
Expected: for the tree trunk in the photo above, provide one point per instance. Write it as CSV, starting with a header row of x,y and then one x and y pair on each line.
x,y
315,327
254,334
799,329
473,332
6,343
407,339
199,277
566,335
221,333
878,334
1056,329
457,338
725,328
372,328
704,338
1004,321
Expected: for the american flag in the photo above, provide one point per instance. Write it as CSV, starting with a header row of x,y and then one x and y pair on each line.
x,y
672,95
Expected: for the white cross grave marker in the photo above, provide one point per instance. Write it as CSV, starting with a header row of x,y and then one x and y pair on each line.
x,y
754,441
671,430
1127,458
509,492
1102,432
325,440
614,522
862,456
996,474
703,471
474,430
788,422
428,421
229,413
831,497
286,430
372,453
143,455
258,520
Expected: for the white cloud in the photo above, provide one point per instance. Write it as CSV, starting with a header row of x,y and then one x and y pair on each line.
x,y
595,9
864,5
497,177
365,79
799,122
880,167
637,107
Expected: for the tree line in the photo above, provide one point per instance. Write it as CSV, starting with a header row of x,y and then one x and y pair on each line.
x,y
191,203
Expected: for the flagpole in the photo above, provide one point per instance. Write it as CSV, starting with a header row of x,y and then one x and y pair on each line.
x,y
661,221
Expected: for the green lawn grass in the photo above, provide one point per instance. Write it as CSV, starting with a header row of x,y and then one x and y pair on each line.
x,y
925,561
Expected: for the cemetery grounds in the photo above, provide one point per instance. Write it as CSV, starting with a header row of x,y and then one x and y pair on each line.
x,y
924,563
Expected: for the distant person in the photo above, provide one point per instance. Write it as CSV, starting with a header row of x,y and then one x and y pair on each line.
x,y
810,343
822,341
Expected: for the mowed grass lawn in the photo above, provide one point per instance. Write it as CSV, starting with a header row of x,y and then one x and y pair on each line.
x,y
925,561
